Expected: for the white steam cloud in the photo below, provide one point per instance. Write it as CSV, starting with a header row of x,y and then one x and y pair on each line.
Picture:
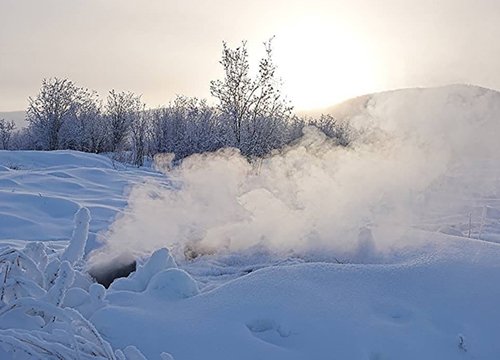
x,y
418,151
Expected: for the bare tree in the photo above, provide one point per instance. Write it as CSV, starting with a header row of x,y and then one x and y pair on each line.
x,y
6,129
248,103
48,111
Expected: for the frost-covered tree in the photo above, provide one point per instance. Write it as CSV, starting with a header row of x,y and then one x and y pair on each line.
x,y
48,111
121,109
185,127
253,106
156,131
139,131
22,139
85,129
6,130
172,126
96,134
251,115
204,129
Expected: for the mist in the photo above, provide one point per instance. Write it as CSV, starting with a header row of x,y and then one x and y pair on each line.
x,y
415,153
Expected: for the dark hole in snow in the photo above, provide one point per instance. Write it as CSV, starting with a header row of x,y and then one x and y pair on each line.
x,y
194,250
105,276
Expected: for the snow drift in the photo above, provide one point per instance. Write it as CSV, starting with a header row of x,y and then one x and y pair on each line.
x,y
416,152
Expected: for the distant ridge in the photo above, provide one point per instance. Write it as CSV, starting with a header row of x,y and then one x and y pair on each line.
x,y
19,117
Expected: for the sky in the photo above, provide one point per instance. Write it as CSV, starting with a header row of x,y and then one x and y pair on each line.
x,y
326,51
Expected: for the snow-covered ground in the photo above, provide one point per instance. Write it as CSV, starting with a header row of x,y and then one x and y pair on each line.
x,y
40,192
385,250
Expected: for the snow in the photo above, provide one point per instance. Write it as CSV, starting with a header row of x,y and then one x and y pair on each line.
x,y
138,281
320,310
385,250
76,248
39,191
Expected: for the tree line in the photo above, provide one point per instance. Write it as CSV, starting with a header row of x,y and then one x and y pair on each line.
x,y
250,114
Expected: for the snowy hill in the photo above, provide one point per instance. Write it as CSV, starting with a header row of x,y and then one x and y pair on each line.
x,y
384,250
426,101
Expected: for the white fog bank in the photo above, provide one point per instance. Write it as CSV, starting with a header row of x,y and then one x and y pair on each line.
x,y
417,154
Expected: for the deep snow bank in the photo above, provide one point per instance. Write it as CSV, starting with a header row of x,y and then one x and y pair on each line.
x,y
419,154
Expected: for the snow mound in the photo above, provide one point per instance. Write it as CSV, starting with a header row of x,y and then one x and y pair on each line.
x,y
172,284
138,281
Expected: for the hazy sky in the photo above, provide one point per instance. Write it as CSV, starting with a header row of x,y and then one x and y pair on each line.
x,y
326,51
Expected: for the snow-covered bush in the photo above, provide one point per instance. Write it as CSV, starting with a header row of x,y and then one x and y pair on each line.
x,y
46,300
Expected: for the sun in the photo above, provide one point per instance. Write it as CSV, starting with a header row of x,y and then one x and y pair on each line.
x,y
323,64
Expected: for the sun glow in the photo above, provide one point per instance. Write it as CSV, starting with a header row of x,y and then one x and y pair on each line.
x,y
323,64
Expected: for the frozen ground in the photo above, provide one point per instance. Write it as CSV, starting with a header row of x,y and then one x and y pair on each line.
x,y
386,250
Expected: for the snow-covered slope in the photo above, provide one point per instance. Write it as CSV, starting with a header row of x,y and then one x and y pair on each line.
x,y
384,250
40,190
